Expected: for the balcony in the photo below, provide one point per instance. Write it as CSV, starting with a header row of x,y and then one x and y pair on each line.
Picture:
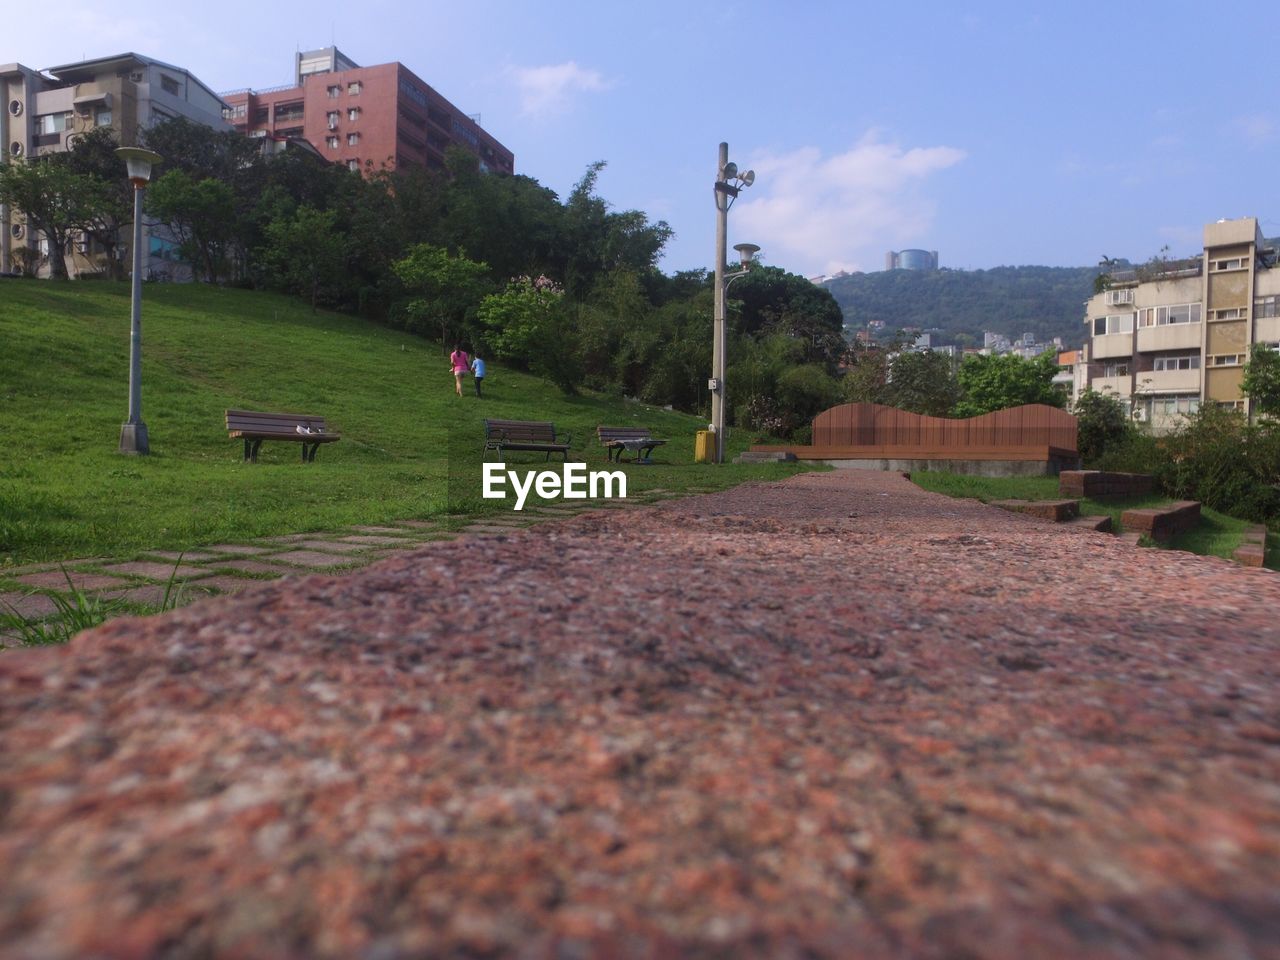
x,y
1111,345
1117,386
1172,336
1169,381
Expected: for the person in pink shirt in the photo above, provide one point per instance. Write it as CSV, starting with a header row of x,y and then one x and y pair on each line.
x,y
460,363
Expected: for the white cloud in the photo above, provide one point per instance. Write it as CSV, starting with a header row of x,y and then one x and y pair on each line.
x,y
1256,129
823,214
549,89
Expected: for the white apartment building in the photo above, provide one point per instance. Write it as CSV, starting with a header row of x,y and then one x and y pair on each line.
x,y
1170,337
43,112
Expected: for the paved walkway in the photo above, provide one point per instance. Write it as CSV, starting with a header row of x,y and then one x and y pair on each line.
x,y
31,591
831,717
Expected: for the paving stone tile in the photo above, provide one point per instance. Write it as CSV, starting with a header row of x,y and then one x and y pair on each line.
x,y
375,541
186,556
237,550
224,584
394,531
330,546
249,566
28,605
57,580
288,538
151,594
312,558
158,571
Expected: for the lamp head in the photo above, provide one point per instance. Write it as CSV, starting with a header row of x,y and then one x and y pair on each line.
x,y
746,252
139,162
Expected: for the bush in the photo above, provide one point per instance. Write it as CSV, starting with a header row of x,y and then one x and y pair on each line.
x,y
1103,426
1224,463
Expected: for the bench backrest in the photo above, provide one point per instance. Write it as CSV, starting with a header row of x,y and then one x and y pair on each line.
x,y
532,431
283,424
607,434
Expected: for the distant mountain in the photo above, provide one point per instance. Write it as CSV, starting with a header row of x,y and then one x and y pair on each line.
x,y
1046,301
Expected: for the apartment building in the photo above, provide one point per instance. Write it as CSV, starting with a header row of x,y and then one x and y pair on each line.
x,y
45,110
367,118
1169,337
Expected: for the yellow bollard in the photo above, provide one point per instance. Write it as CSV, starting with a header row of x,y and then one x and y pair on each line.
x,y
704,446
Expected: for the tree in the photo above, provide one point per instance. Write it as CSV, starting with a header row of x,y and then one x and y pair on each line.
x,y
57,201
447,287
998,382
1261,383
93,154
1102,424
775,301
529,326
922,382
201,213
306,253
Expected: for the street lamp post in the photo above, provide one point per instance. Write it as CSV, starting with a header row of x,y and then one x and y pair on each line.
x,y
133,433
729,183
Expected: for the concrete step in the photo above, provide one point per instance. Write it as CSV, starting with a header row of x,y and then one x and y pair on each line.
x,y
1098,524
1059,511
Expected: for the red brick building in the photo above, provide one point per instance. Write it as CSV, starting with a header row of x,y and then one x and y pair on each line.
x,y
365,117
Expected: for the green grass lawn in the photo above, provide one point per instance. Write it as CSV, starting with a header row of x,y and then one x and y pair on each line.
x,y
1217,535
410,448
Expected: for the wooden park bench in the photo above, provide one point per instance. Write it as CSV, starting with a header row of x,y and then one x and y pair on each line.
x,y
636,439
253,428
537,436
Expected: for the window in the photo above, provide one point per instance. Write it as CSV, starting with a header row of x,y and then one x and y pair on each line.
x,y
354,88
1226,360
332,119
353,139
1266,307
261,114
53,123
353,113
1177,363
102,118
1231,263
412,92
1116,368
353,165
1115,323
331,143
333,92
1233,313
1160,316
289,111
170,85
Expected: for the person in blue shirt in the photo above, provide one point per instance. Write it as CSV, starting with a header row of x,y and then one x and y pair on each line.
x,y
477,368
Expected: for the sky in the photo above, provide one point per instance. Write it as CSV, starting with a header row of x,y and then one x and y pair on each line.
x,y
995,133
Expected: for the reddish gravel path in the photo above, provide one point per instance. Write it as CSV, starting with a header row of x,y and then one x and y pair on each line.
x,y
834,717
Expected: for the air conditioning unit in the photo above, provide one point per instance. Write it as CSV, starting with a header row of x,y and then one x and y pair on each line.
x,y
1117,297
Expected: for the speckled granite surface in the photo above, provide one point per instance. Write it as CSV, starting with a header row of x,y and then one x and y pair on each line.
x,y
835,717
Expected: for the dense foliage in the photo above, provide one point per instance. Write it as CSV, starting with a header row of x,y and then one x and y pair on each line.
x,y
1102,426
962,304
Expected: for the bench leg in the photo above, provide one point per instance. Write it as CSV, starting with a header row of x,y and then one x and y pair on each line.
x,y
251,450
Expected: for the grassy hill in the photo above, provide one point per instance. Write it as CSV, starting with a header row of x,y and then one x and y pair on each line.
x,y
410,448
1047,301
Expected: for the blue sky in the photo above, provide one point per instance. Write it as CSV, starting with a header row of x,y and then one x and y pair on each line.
x,y
994,133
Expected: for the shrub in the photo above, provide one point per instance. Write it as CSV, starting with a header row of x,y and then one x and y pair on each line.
x,y
1224,463
1103,425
